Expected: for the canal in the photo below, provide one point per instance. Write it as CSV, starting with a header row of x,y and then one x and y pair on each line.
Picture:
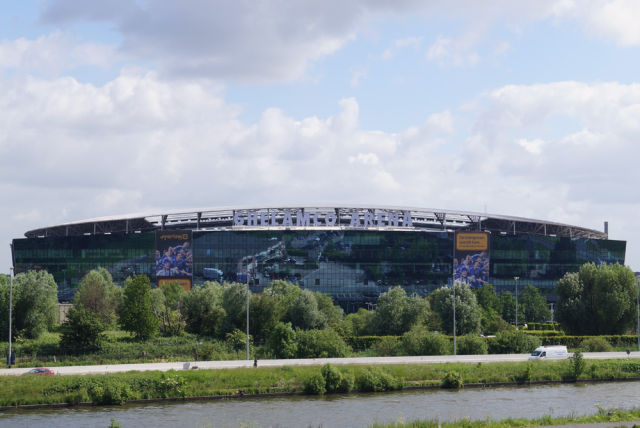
x,y
356,410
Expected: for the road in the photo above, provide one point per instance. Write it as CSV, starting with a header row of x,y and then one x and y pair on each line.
x,y
471,359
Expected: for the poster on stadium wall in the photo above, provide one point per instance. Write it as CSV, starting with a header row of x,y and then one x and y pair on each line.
x,y
174,258
471,258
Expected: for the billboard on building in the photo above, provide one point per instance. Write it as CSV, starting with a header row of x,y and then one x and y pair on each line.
x,y
471,259
174,257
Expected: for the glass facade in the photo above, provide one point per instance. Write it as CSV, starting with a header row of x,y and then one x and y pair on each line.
x,y
352,265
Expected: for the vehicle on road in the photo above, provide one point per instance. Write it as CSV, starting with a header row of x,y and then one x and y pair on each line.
x,y
41,371
549,353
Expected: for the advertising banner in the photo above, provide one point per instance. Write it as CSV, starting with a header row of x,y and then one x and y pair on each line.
x,y
471,258
174,258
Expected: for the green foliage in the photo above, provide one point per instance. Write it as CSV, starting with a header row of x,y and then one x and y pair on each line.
x,y
320,344
136,315
374,379
332,377
282,341
487,298
315,385
304,312
471,344
346,382
468,311
596,344
109,391
396,312
387,346
534,305
264,315
578,365
513,342
83,330
237,341
100,295
491,322
234,303
35,304
452,380
170,320
202,309
359,323
420,341
597,300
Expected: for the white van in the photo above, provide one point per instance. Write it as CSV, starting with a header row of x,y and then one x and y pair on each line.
x,y
549,353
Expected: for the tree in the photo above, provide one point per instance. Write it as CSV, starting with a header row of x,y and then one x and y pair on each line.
x,y
534,305
136,315
597,300
264,315
35,300
304,312
82,331
234,303
360,323
202,309
282,341
508,308
396,312
487,298
99,294
165,304
468,313
420,341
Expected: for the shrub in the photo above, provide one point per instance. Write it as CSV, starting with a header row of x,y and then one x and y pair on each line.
x,y
281,342
471,344
109,391
373,379
513,342
320,344
578,364
315,385
596,344
346,382
332,377
452,380
387,346
419,341
83,331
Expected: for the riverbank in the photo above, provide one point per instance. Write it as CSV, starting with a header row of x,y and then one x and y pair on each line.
x,y
604,417
120,388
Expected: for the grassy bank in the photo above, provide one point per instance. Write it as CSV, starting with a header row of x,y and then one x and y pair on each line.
x,y
123,387
612,415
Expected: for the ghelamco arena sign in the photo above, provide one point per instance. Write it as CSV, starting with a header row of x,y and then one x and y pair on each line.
x,y
301,218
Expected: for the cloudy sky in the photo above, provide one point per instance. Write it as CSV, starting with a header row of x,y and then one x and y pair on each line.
x,y
517,107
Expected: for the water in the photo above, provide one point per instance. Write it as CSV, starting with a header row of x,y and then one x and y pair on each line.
x,y
358,410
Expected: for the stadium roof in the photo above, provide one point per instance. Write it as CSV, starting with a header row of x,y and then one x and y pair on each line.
x,y
222,218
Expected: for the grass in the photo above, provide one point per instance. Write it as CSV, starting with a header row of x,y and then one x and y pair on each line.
x,y
121,387
603,415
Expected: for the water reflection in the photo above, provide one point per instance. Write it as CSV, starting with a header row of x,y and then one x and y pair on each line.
x,y
346,411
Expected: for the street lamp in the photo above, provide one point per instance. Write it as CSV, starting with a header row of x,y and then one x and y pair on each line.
x,y
638,312
10,312
516,279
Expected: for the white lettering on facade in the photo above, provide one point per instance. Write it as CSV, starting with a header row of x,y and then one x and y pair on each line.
x,y
355,220
286,219
364,218
302,219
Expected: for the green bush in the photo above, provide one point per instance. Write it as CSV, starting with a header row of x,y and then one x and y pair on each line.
x,y
513,342
109,391
596,344
387,346
320,344
578,364
332,377
346,382
472,344
315,385
373,379
452,380
419,341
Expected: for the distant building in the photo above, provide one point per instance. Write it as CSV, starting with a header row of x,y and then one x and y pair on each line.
x,y
353,253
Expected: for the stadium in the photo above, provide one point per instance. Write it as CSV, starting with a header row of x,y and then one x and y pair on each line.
x,y
353,253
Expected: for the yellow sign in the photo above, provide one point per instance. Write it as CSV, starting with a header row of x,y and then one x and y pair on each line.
x,y
472,241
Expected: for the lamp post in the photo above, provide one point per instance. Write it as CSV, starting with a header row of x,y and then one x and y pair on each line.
x,y
453,285
248,264
10,312
516,279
